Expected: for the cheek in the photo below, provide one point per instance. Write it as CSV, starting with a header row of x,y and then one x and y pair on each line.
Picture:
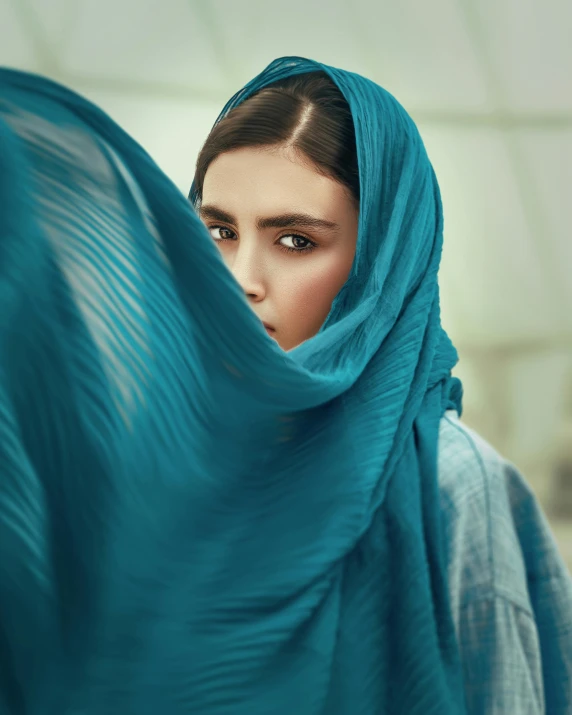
x,y
307,291
225,252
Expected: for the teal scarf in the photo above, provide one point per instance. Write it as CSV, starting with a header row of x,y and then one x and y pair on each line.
x,y
191,520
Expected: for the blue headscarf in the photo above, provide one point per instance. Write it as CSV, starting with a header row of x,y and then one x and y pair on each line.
x,y
191,520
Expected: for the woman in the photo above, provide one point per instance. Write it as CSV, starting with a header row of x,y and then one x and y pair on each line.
x,y
219,505
277,185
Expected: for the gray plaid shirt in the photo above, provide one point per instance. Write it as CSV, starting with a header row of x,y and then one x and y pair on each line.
x,y
511,592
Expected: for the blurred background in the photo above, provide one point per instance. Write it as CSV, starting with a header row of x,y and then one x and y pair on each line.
x,y
489,83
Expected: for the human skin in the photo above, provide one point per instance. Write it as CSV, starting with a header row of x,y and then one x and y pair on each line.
x,y
286,232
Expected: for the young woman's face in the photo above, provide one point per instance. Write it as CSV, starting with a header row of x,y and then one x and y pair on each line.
x,y
287,233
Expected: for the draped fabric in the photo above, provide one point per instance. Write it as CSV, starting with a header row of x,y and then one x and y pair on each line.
x,y
192,520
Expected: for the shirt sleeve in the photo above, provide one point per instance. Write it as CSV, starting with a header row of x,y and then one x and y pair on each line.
x,y
549,586
510,590
500,651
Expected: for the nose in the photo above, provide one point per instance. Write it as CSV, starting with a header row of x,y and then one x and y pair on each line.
x,y
248,270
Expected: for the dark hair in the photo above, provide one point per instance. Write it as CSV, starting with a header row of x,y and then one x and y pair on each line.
x,y
305,112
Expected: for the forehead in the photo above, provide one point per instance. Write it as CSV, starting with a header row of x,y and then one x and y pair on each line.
x,y
259,181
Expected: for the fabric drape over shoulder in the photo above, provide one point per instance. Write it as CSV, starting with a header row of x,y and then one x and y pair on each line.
x,y
191,520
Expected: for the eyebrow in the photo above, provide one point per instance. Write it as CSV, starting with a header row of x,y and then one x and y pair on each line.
x,y
286,220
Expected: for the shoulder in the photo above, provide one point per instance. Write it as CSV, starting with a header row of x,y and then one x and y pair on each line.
x,y
477,486
510,591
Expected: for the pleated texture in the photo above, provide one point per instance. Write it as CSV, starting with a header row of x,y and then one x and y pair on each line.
x,y
191,520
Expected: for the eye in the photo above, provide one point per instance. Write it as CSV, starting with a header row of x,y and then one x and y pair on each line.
x,y
293,242
220,233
